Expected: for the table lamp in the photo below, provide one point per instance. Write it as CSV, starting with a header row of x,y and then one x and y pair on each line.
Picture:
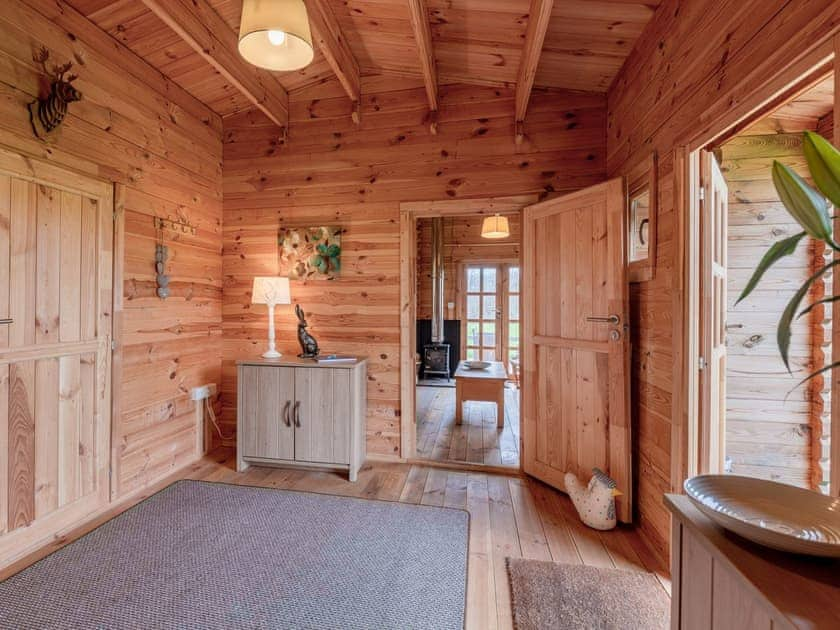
x,y
271,291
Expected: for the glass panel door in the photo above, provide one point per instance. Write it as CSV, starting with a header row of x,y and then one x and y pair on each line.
x,y
512,323
483,313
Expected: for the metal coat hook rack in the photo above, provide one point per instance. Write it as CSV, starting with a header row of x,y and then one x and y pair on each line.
x,y
174,226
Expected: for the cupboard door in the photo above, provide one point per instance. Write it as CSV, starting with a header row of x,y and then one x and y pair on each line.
x,y
268,395
322,415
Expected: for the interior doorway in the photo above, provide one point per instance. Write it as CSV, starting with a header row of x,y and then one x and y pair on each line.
x,y
753,419
463,413
460,302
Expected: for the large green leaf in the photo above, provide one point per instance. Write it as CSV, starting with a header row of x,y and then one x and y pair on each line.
x,y
778,250
783,331
804,203
814,305
824,164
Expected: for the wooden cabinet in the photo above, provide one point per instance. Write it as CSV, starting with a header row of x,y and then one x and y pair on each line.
x,y
293,412
724,582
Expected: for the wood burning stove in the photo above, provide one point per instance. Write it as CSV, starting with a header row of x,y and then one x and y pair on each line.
x,y
436,359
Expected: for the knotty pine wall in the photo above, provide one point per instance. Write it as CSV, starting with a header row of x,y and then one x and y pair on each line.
x,y
462,243
772,428
333,172
163,149
696,60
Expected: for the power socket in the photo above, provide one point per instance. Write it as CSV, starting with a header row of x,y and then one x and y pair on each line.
x,y
203,391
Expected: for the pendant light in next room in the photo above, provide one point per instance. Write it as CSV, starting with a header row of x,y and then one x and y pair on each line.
x,y
275,35
495,227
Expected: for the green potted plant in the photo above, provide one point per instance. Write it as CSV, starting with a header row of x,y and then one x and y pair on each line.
x,y
810,208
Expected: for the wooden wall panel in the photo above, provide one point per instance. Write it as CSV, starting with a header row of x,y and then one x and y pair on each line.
x,y
137,129
697,62
756,377
334,172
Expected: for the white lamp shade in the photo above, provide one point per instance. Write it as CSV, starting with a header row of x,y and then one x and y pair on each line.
x,y
275,35
271,290
495,227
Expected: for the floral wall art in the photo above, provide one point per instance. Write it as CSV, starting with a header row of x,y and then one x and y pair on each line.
x,y
310,253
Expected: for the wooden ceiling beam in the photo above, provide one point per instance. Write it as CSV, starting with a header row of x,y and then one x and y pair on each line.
x,y
423,37
198,24
332,43
538,19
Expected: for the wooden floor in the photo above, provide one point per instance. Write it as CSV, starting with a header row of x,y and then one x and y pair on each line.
x,y
477,440
509,517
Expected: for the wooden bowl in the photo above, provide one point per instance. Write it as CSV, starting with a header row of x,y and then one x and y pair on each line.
x,y
772,514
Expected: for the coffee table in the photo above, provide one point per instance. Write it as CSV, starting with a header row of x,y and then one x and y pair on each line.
x,y
487,385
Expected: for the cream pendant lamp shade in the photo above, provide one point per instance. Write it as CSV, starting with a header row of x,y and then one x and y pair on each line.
x,y
495,227
275,35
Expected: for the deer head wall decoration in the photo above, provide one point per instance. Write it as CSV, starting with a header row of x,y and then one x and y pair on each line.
x,y
48,111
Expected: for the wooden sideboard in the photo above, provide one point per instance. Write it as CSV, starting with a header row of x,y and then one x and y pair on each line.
x,y
296,412
724,582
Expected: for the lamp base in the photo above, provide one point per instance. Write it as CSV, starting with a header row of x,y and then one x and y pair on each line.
x,y
271,354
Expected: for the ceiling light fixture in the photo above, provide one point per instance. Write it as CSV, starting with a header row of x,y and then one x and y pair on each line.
x,y
275,34
495,227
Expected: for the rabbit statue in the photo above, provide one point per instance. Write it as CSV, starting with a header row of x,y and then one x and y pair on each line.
x,y
595,503
308,345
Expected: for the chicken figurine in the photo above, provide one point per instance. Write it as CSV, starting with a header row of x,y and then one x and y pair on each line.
x,y
595,503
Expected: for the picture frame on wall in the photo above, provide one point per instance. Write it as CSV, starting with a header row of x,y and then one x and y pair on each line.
x,y
310,253
642,209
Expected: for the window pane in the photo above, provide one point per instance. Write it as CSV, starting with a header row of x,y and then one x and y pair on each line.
x,y
488,310
472,333
514,355
473,307
472,354
513,311
474,280
513,335
488,355
489,284
488,334
513,285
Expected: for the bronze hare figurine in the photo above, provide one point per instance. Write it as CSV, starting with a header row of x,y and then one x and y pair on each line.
x,y
308,345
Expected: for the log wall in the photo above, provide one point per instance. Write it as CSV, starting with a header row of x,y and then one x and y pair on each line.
x,y
697,62
356,177
163,150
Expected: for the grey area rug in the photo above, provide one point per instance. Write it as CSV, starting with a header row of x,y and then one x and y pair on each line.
x,y
549,596
206,555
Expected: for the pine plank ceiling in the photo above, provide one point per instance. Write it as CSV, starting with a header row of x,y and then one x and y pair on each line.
x,y
474,41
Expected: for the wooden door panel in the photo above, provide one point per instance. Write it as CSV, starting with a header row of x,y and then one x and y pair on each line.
x,y
56,262
323,400
576,367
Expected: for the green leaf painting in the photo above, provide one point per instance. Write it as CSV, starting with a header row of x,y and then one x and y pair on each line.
x,y
312,253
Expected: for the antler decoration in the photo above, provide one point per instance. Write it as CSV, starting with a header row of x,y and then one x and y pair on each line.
x,y
48,111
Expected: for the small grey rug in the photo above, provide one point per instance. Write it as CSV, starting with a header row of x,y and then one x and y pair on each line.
x,y
207,555
549,596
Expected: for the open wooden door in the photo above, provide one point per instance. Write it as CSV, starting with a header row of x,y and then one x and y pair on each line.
x,y
56,256
575,343
714,208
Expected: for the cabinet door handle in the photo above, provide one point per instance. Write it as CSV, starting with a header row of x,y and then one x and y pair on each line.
x,y
297,414
286,413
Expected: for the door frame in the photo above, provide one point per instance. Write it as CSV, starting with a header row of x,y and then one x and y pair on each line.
x,y
410,212
689,431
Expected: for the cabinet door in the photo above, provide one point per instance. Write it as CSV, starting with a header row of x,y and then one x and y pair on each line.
x,y
322,415
267,393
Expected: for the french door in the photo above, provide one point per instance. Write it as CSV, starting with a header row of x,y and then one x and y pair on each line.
x,y
491,309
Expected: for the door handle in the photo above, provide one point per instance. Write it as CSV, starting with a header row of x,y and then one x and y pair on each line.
x,y
286,418
602,319
297,414
7,321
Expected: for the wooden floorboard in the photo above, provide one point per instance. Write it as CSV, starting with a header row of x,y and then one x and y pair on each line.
x,y
509,517
478,440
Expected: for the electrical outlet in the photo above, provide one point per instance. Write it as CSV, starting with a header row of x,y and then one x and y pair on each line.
x,y
202,392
